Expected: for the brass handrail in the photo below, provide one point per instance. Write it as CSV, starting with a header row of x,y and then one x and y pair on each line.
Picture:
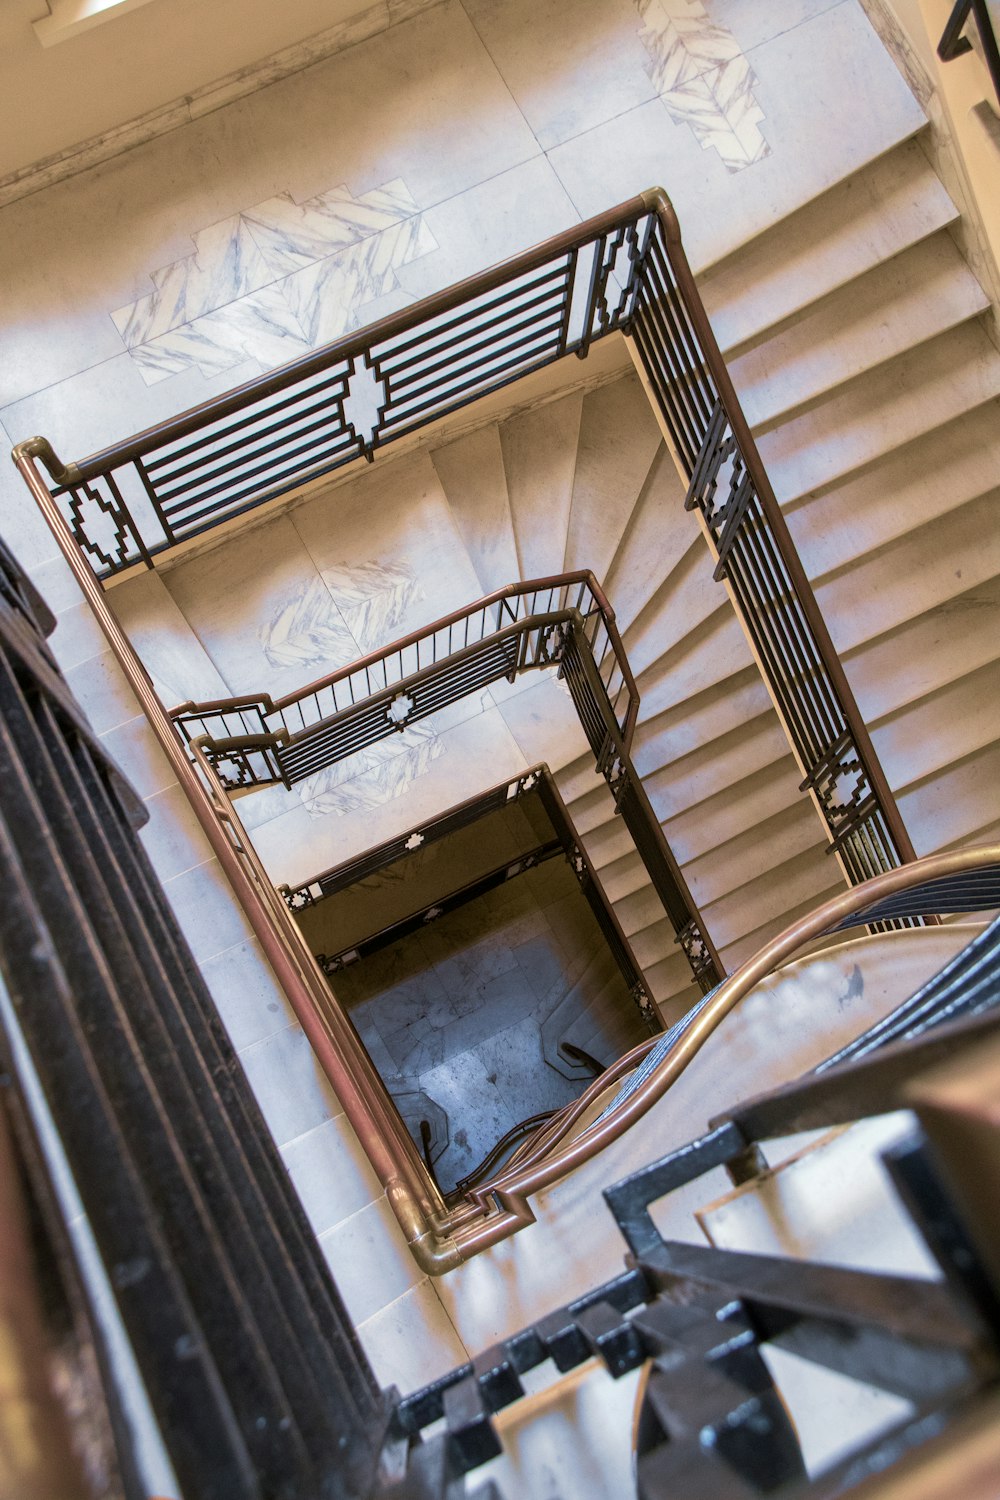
x,y
556,581
438,1240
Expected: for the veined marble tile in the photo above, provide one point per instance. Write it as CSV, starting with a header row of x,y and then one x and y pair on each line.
x,y
307,629
291,235
275,281
226,264
373,598
722,112
703,79
682,41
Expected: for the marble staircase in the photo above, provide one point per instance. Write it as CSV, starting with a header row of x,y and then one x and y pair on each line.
x,y
861,345
844,324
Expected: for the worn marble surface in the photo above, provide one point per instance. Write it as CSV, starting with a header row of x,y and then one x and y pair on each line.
x,y
135,291
455,1010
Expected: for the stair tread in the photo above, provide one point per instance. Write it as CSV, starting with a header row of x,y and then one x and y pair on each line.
x,y
659,533
881,411
472,476
619,439
917,572
953,721
539,449
894,202
892,308
908,663
931,476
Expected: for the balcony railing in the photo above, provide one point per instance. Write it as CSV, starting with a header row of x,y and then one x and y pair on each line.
x,y
622,272
564,620
256,741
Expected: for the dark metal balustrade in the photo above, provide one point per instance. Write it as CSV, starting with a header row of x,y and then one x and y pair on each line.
x,y
255,1374
564,621
258,741
712,1420
954,44
137,499
622,272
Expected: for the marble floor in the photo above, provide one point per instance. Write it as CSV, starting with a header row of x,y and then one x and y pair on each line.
x,y
189,264
345,191
454,1012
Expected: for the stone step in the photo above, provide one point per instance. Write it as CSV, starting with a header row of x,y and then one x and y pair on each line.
x,y
881,411
659,532
953,805
755,851
916,572
947,725
763,904
745,804
539,448
690,782
933,475
619,439
891,309
894,202
958,635
664,737
712,653
688,597
471,471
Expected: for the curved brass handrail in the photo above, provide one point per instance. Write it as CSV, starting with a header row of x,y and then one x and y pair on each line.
x,y
511,1188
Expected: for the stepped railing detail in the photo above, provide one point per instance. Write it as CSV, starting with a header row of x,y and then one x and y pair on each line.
x,y
623,272
255,741
563,621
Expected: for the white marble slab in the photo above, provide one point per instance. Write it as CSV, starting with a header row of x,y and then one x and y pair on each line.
x,y
412,1341
808,82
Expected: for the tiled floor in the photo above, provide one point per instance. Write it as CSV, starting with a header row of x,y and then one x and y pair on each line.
x,y
454,1012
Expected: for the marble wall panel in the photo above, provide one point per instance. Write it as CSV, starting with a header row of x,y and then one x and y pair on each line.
x,y
387,548
807,82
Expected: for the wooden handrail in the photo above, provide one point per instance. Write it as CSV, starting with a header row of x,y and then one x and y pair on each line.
x,y
349,347
657,201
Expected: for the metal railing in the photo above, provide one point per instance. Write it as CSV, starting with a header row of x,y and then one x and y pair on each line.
x,y
624,271
136,499
257,741
953,44
516,630
621,272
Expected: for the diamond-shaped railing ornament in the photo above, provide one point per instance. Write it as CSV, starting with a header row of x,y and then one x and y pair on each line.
x,y
99,526
400,709
364,403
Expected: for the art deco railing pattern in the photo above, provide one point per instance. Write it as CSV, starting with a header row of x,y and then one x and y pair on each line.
x,y
622,272
256,741
537,781
563,621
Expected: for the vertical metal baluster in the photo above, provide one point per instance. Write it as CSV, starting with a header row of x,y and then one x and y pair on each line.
x,y
586,337
569,285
